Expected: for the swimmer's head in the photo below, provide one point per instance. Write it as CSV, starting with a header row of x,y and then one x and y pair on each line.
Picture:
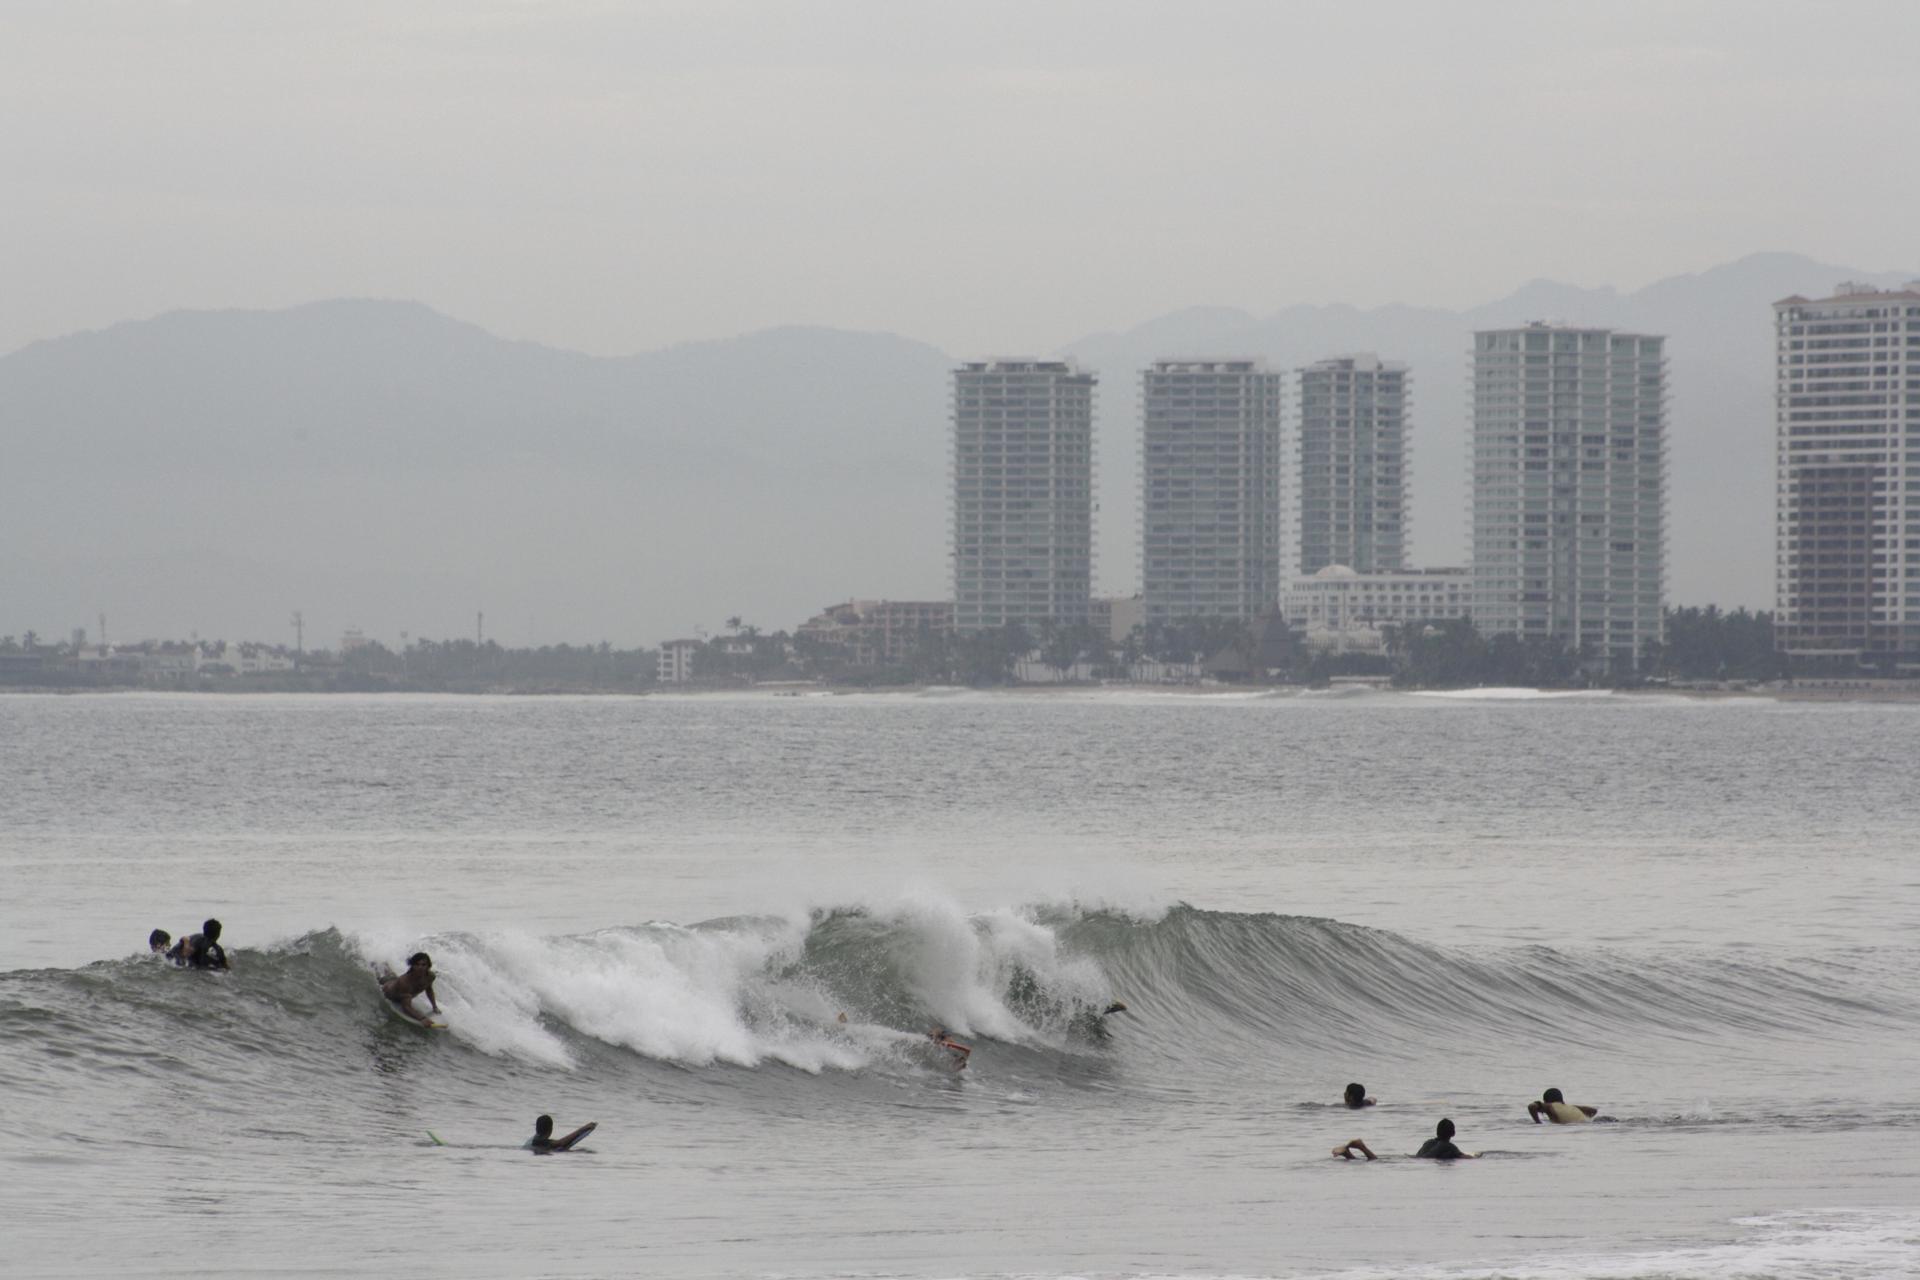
x,y
1444,1129
1356,1095
1552,1095
212,929
159,940
543,1127
418,959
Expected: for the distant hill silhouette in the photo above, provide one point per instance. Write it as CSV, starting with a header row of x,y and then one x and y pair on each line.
x,y
378,464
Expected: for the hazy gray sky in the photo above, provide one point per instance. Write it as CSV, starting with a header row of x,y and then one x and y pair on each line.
x,y
988,177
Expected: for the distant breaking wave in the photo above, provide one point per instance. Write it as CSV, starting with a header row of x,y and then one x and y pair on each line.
x,y
1204,988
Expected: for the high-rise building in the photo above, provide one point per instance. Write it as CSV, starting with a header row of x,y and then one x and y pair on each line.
x,y
1022,493
1847,433
1210,489
1353,464
1569,487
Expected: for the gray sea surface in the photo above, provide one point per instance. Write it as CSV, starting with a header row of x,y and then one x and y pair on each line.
x,y
1697,915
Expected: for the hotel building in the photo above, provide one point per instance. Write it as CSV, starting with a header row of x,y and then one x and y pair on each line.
x,y
1569,488
1847,441
1353,464
1210,489
1022,493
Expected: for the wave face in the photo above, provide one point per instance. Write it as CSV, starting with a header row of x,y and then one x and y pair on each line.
x,y
1206,990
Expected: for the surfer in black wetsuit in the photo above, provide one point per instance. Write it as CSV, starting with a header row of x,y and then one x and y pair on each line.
x,y
416,981
1356,1097
1440,1145
543,1139
201,950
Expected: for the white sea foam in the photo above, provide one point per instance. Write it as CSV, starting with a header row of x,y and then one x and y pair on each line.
x,y
1501,693
1835,1244
717,993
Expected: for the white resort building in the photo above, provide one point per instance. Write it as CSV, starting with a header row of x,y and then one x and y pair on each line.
x,y
1343,611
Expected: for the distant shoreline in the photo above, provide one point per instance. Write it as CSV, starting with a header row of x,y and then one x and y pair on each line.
x,y
1892,692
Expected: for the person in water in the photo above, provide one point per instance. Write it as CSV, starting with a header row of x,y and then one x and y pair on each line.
x,y
543,1139
959,1051
158,941
1554,1106
416,981
201,950
1356,1097
1440,1145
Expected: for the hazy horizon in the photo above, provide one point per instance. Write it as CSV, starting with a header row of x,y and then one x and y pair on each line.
x,y
614,181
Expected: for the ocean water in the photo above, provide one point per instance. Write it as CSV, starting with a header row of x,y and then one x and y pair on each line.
x,y
1701,916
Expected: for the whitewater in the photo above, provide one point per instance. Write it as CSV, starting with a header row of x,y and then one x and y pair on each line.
x,y
723,926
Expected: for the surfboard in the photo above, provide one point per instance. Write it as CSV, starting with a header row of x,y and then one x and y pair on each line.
x,y
563,1144
566,1143
383,975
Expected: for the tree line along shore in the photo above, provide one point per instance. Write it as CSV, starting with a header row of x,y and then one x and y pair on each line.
x,y
1703,649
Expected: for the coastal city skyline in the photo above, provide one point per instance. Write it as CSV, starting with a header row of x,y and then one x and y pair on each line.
x,y
1568,503
867,456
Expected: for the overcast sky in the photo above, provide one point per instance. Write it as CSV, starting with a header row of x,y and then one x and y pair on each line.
x,y
987,177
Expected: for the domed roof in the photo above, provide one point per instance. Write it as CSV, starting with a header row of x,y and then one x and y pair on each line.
x,y
1337,571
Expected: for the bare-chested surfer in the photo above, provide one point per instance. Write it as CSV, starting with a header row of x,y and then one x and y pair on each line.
x,y
959,1051
416,981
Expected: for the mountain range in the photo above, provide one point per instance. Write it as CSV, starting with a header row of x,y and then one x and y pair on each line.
x,y
380,465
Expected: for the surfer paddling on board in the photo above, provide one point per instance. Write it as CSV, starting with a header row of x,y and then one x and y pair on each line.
x,y
1554,1106
201,950
1438,1147
959,1051
543,1139
416,981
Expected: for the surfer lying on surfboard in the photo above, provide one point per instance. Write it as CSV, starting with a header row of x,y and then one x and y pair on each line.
x,y
543,1139
1554,1106
1438,1147
416,981
959,1051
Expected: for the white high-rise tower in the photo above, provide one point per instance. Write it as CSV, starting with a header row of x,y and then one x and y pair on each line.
x,y
1847,430
1210,489
1353,465
1569,488
1022,493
